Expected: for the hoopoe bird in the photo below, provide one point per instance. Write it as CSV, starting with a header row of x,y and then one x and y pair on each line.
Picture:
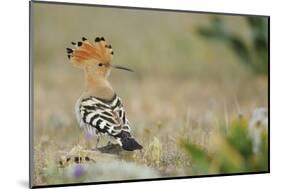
x,y
99,108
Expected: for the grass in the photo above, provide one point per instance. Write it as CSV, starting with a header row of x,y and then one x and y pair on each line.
x,y
231,152
184,88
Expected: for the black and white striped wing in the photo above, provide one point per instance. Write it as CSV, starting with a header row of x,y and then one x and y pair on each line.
x,y
106,116
118,107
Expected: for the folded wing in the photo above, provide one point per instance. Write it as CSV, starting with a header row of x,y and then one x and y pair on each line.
x,y
108,117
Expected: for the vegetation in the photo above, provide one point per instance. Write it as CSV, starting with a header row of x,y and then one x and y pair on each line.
x,y
252,52
232,152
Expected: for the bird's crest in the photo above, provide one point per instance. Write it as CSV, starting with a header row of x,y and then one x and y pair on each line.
x,y
86,52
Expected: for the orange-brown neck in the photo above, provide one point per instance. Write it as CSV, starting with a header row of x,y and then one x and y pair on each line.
x,y
98,86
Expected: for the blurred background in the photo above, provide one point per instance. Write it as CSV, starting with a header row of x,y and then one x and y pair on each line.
x,y
198,79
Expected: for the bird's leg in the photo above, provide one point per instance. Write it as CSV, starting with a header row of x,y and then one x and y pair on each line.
x,y
111,141
98,140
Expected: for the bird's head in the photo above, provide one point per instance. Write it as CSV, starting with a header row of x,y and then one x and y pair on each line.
x,y
95,57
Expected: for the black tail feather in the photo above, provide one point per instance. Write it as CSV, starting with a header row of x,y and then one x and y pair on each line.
x,y
130,144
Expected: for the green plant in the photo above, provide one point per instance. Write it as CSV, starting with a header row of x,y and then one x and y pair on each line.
x,y
232,152
253,54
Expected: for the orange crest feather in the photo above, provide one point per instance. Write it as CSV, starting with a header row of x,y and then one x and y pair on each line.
x,y
87,52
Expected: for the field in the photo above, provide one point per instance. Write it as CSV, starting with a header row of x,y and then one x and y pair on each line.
x,y
184,88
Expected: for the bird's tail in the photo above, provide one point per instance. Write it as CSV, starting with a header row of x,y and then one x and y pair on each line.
x,y
130,144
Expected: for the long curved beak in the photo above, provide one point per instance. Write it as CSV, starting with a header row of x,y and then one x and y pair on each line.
x,y
122,68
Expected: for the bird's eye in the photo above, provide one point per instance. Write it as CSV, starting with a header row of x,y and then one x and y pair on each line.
x,y
100,64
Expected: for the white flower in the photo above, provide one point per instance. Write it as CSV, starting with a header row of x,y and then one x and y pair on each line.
x,y
258,122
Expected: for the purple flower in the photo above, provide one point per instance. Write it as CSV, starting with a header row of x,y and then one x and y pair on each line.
x,y
78,171
88,135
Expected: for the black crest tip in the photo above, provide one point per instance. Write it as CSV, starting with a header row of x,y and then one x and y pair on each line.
x,y
97,39
112,53
73,43
69,50
109,46
84,38
68,56
102,39
79,43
